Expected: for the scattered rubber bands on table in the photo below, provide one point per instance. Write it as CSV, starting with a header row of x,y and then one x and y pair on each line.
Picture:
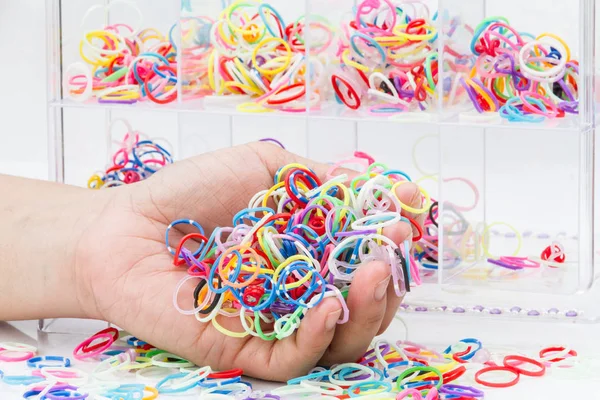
x,y
126,367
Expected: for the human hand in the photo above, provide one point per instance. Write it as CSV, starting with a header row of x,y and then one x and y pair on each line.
x,y
125,275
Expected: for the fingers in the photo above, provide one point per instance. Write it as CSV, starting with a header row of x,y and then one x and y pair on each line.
x,y
275,157
398,233
367,304
296,355
410,195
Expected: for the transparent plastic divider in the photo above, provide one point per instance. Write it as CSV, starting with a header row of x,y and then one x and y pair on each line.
x,y
522,208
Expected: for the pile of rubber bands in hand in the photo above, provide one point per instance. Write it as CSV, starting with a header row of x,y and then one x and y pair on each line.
x,y
278,261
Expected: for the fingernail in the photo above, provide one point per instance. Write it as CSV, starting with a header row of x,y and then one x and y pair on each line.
x,y
381,289
332,319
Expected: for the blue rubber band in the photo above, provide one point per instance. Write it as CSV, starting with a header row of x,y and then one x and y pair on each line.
x,y
183,221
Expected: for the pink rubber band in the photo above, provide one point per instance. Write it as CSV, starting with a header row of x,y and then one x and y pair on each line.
x,y
25,355
109,341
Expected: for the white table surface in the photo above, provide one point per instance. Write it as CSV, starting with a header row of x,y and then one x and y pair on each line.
x,y
524,337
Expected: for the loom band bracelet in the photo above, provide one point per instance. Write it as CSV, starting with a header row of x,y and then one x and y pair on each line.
x,y
506,384
178,222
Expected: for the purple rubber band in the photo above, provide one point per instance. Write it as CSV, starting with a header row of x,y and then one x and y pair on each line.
x,y
505,265
462,391
472,95
103,101
273,141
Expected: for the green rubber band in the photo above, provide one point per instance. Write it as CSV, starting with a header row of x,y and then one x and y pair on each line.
x,y
428,73
412,370
115,76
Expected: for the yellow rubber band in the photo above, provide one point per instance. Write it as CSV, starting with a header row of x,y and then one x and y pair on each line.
x,y
483,94
153,391
287,262
486,238
229,333
559,40
410,209
346,59
97,180
398,31
250,107
275,71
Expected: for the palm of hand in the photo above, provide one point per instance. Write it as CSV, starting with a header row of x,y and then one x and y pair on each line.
x,y
129,279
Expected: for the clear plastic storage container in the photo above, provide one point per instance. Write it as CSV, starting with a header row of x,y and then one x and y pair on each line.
x,y
504,187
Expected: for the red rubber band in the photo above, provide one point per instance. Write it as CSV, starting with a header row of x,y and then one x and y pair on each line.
x,y
180,261
547,350
353,94
542,367
419,229
494,384
290,98
232,373
86,348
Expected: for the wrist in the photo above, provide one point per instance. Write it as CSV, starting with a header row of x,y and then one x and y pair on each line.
x,y
46,221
